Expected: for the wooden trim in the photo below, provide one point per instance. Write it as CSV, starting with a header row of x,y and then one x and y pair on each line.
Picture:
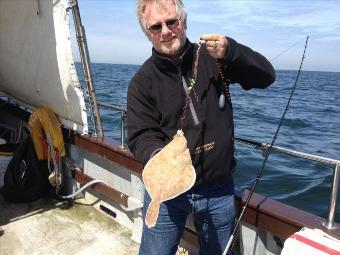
x,y
106,148
278,218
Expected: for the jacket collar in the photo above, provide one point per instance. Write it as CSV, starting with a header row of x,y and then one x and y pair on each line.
x,y
164,63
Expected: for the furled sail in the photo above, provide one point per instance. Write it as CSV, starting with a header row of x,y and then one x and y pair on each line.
x,y
36,63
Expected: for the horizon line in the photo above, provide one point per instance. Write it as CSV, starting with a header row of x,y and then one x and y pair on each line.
x,y
302,70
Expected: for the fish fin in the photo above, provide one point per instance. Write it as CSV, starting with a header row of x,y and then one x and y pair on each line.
x,y
152,214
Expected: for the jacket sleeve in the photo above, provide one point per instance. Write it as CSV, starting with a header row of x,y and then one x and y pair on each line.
x,y
247,67
144,135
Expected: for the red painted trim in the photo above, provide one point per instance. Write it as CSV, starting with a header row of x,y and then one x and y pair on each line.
x,y
315,245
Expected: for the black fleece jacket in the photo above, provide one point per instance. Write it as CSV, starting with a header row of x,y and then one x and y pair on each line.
x,y
156,98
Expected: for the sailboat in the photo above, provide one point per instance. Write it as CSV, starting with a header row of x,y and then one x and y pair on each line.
x,y
96,208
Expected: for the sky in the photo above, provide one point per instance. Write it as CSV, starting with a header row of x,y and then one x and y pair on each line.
x,y
277,29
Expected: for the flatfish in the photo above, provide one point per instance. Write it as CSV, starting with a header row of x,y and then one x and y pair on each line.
x,y
168,174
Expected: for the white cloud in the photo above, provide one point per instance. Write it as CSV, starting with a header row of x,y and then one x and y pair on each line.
x,y
267,26
320,18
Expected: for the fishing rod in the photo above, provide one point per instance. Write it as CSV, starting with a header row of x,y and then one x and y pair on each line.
x,y
231,241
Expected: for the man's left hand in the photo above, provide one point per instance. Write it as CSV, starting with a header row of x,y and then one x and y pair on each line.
x,y
216,44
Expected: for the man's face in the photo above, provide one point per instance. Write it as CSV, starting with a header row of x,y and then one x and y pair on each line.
x,y
171,37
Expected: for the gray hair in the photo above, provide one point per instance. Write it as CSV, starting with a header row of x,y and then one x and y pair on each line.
x,y
141,5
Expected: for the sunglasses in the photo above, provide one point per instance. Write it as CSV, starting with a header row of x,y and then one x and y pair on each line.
x,y
156,28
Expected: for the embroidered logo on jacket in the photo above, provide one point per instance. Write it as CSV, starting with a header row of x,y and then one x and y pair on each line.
x,y
204,148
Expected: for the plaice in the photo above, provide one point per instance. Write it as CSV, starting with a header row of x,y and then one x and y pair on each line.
x,y
167,175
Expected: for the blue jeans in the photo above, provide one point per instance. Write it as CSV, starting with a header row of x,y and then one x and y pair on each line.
x,y
213,212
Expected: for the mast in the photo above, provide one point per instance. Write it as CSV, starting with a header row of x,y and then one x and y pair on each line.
x,y
85,60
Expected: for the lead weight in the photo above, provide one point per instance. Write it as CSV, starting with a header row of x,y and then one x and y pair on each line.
x,y
221,101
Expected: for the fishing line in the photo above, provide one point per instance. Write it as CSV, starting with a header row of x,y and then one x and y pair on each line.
x,y
231,241
271,60
278,55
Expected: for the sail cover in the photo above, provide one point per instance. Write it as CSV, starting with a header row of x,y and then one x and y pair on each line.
x,y
36,63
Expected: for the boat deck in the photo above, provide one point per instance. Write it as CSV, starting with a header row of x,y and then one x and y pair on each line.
x,y
52,226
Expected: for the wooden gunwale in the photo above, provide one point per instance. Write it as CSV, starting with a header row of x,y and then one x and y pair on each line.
x,y
106,148
265,213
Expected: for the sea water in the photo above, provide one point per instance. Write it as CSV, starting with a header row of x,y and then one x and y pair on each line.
x,y
311,125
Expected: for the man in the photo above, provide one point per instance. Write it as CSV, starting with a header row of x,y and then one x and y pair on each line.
x,y
156,102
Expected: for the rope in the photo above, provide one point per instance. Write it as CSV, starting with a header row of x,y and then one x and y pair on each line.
x,y
82,189
266,156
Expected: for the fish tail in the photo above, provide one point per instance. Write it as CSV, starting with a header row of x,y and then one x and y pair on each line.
x,y
152,214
